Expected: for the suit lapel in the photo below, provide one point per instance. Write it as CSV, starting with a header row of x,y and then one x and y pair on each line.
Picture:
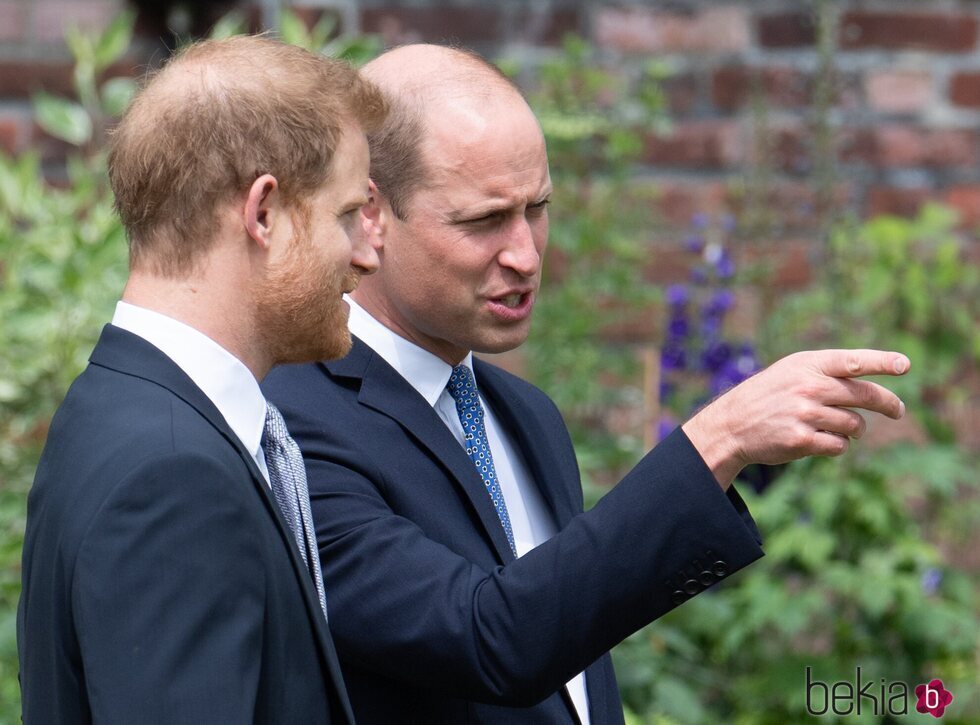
x,y
386,391
534,441
130,354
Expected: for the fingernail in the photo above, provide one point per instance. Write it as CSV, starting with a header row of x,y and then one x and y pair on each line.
x,y
901,365
901,409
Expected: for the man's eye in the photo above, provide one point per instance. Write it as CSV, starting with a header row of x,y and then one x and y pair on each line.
x,y
539,207
486,219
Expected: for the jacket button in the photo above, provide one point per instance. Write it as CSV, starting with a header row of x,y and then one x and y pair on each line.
x,y
707,578
692,587
720,568
678,597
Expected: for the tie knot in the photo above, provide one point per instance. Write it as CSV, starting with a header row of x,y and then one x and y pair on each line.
x,y
275,427
461,382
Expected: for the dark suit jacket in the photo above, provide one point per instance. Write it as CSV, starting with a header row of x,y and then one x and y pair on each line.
x,y
434,619
160,584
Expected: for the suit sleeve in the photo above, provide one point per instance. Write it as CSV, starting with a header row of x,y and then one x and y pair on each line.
x,y
168,598
413,609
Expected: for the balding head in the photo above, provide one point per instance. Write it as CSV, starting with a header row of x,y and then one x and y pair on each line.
x,y
425,86
216,117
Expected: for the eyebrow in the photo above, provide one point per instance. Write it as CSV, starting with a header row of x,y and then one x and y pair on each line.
x,y
464,215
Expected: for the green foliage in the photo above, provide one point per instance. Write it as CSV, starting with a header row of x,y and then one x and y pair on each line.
x,y
898,284
81,122
847,580
322,38
64,265
593,121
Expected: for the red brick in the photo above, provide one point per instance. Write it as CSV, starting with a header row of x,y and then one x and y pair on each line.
x,y
897,201
681,92
434,24
965,198
547,27
677,202
964,89
13,20
789,262
900,91
788,206
20,79
732,87
897,146
786,30
14,132
53,17
700,144
720,29
940,32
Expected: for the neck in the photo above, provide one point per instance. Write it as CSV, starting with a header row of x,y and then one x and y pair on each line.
x,y
378,307
216,308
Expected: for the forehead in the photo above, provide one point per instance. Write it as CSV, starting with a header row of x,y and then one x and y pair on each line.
x,y
474,153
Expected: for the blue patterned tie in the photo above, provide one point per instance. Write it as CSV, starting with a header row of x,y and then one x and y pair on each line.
x,y
287,476
462,387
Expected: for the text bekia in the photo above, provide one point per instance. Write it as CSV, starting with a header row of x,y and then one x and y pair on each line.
x,y
870,696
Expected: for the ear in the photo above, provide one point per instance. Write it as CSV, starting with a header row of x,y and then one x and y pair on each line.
x,y
375,216
262,209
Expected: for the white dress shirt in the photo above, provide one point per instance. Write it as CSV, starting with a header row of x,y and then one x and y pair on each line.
x,y
530,518
221,376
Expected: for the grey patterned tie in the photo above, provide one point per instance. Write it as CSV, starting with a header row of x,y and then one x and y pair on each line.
x,y
288,478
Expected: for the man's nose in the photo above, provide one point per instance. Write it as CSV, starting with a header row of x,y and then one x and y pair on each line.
x,y
521,252
364,257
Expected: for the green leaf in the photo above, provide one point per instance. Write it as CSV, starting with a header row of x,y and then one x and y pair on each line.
x,y
229,25
117,93
114,41
292,30
63,119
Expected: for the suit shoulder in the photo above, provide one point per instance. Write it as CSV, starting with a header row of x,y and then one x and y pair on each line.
x,y
510,383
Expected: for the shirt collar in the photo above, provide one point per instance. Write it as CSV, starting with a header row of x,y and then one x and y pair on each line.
x,y
425,372
219,374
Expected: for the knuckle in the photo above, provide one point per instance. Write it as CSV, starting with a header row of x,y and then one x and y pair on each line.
x,y
852,364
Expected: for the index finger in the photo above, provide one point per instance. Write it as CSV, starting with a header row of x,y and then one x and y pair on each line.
x,y
857,363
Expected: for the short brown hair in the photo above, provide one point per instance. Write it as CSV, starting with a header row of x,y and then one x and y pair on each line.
x,y
219,115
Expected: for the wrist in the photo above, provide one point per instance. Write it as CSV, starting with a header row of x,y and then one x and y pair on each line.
x,y
716,447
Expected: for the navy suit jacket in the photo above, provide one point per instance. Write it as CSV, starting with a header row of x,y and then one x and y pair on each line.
x,y
434,619
160,584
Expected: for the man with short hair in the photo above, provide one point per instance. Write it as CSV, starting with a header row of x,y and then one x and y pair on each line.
x,y
171,572
467,582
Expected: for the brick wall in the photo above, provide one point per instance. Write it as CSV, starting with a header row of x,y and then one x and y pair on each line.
x,y
906,115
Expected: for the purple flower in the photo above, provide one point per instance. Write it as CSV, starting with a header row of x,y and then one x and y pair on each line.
x,y
672,356
931,579
715,355
727,376
700,220
725,266
710,326
677,295
665,427
666,390
694,244
678,327
720,303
